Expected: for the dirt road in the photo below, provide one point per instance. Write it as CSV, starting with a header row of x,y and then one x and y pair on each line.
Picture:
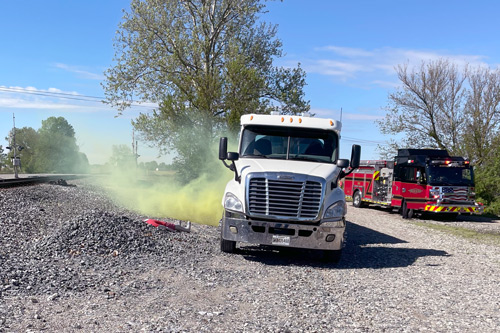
x,y
73,261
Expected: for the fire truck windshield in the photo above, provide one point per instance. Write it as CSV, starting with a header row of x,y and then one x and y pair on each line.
x,y
449,175
289,143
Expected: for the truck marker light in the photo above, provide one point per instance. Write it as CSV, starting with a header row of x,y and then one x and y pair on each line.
x,y
300,120
282,119
331,122
251,117
330,238
291,119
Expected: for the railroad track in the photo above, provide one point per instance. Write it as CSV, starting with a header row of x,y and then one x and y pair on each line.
x,y
9,181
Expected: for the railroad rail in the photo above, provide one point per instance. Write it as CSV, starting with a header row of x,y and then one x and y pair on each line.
x,y
11,181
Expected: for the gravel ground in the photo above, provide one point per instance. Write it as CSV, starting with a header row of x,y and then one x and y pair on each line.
x,y
72,261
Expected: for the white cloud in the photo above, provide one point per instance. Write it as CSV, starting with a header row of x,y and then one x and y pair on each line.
x,y
15,97
17,103
32,98
334,68
347,51
335,114
377,65
80,72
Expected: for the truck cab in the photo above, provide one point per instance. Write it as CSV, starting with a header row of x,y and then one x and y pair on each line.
x,y
285,191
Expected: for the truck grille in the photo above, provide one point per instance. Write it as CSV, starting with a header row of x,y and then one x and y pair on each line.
x,y
284,199
456,194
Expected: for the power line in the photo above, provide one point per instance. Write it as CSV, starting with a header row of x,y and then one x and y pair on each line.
x,y
77,97
373,142
97,99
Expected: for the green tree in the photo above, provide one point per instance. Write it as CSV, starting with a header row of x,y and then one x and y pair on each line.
x,y
152,165
3,159
482,115
57,125
428,108
56,150
205,63
27,138
440,106
51,149
122,157
488,179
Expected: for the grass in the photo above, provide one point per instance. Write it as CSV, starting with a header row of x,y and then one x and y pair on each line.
x,y
484,237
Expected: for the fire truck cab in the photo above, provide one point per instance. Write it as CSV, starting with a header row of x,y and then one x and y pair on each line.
x,y
423,180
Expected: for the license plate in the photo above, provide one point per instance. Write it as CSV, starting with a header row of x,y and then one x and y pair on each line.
x,y
281,240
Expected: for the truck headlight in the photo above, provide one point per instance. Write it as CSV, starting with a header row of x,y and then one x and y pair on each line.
x,y
231,202
337,210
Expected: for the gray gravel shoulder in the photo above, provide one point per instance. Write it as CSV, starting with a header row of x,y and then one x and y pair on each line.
x,y
72,260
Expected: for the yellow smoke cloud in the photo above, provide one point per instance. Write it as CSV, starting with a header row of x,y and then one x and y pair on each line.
x,y
157,195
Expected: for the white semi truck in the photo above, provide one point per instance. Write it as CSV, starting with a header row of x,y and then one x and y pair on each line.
x,y
285,189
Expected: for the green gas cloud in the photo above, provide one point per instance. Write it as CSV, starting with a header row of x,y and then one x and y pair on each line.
x,y
159,195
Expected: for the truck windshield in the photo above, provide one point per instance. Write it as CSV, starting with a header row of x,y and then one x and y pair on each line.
x,y
289,143
447,175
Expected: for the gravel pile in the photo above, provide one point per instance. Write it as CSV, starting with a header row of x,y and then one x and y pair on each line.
x,y
72,260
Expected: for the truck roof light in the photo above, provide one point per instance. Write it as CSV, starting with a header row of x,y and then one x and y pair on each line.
x,y
282,119
300,120
251,117
291,119
331,122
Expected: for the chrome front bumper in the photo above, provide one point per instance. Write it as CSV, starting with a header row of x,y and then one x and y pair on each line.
x,y
326,236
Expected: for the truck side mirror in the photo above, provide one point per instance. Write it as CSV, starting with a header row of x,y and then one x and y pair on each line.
x,y
342,163
224,155
232,156
223,149
355,156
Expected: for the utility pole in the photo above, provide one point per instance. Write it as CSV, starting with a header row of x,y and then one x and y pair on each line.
x,y
135,145
15,161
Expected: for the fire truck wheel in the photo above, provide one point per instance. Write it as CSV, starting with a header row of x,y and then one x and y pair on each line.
x,y
227,246
405,212
356,200
332,256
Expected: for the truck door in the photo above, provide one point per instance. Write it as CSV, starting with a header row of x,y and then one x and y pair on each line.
x,y
413,186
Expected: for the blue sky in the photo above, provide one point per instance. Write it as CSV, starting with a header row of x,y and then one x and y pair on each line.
x,y
348,49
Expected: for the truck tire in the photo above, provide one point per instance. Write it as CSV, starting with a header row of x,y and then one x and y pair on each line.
x,y
356,200
332,256
227,246
406,212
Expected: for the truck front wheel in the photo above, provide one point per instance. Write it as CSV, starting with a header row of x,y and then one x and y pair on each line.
x,y
406,212
227,246
356,200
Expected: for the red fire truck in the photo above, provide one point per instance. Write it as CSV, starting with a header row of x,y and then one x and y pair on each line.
x,y
423,180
